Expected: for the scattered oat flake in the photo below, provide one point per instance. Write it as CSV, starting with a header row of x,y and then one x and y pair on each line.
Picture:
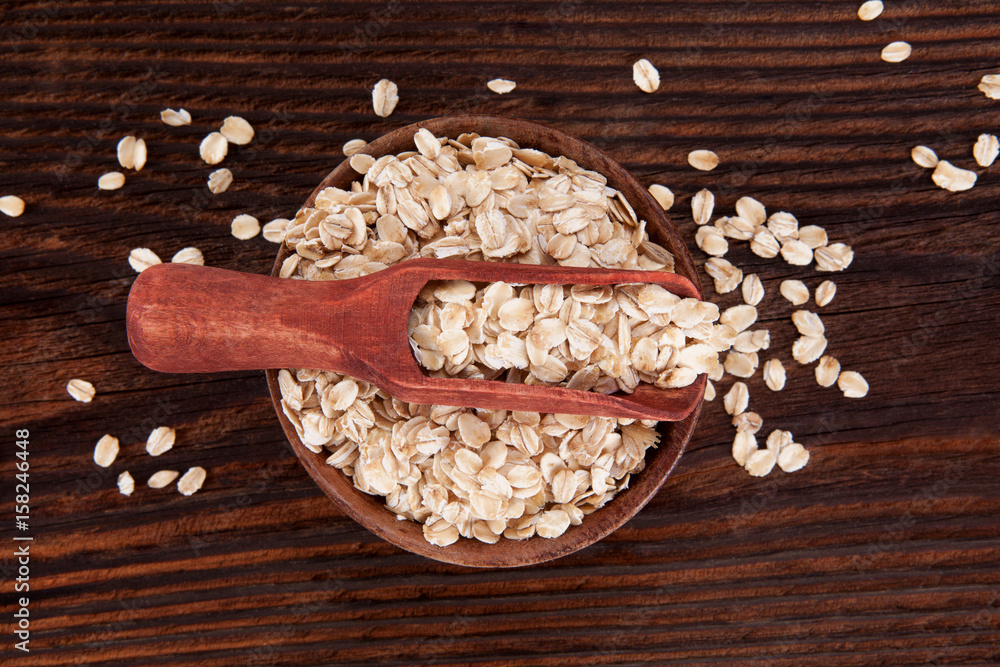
x,y
385,96
808,323
160,479
111,180
703,160
188,256
160,440
986,149
711,241
132,153
727,277
852,384
645,76
126,485
792,457
744,444
870,10
501,86
952,178
834,257
191,481
747,422
736,399
990,85
808,349
761,462
778,440
219,181
924,157
796,253
213,148
764,244
141,259
783,226
794,291
751,210
896,52
353,146
11,205
825,292
774,375
175,118
753,289
139,154
237,130
663,195
739,317
106,450
274,231
125,149
709,391
81,390
245,227
702,206
827,371
813,236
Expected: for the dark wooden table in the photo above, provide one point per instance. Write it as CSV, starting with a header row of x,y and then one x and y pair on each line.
x,y
884,550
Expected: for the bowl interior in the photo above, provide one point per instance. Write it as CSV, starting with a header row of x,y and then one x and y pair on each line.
x,y
369,510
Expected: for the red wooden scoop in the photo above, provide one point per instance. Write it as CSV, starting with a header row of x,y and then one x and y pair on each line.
x,y
195,319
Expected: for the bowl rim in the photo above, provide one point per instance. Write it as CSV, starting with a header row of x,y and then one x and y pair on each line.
x,y
370,511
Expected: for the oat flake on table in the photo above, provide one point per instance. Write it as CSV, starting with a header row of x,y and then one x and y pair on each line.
x,y
175,118
237,130
245,227
703,160
113,180
990,86
896,52
219,181
126,484
385,96
81,390
163,478
213,148
141,259
11,205
160,440
106,450
663,196
646,76
501,86
188,256
986,149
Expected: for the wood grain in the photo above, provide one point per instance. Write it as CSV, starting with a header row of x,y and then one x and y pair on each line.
x,y
883,550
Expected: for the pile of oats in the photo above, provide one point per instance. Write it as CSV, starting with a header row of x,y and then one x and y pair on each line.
x,y
487,474
593,338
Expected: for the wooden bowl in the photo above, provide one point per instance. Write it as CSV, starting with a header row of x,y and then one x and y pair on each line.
x,y
370,511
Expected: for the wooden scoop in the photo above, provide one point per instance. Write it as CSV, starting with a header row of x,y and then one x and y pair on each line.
x,y
194,319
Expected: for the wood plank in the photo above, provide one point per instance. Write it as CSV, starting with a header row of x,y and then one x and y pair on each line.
x,y
883,550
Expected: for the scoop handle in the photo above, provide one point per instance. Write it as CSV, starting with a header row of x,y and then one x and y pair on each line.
x,y
183,318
